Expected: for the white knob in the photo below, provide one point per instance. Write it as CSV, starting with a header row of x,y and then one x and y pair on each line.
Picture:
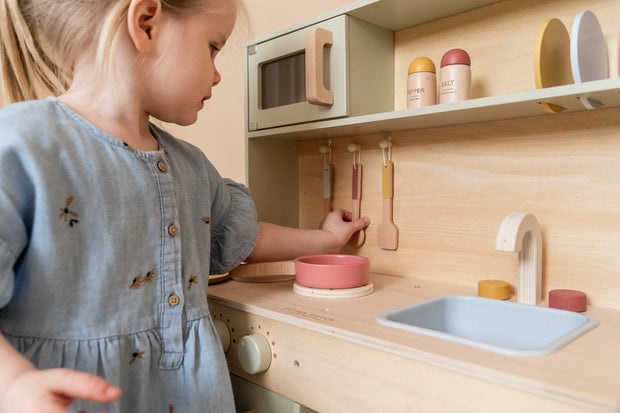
x,y
254,353
223,333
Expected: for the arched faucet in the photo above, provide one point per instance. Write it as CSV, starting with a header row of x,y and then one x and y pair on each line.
x,y
520,232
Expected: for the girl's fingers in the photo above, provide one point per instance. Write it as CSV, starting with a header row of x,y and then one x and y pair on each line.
x,y
78,385
361,223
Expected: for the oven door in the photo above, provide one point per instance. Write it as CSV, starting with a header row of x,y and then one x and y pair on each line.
x,y
299,77
251,398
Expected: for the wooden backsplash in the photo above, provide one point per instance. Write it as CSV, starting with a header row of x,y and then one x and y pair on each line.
x,y
454,185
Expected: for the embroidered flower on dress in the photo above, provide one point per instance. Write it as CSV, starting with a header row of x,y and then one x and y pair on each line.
x,y
207,221
136,355
149,276
67,213
137,282
192,280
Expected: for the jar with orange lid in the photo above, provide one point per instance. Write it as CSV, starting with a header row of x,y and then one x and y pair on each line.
x,y
421,83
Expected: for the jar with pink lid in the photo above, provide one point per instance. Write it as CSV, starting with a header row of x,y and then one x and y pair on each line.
x,y
455,76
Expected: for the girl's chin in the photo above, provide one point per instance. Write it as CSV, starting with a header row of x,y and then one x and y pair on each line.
x,y
187,118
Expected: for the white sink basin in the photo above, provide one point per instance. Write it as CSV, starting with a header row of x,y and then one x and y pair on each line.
x,y
500,326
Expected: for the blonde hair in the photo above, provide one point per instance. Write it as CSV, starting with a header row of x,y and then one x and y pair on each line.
x,y
31,68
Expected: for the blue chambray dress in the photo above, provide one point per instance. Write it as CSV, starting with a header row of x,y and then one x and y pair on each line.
x,y
105,254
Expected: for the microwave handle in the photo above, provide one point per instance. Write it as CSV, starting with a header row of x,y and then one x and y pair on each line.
x,y
316,93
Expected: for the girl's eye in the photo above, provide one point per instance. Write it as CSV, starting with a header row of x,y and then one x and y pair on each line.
x,y
214,49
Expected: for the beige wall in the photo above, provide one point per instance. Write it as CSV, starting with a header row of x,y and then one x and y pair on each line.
x,y
219,131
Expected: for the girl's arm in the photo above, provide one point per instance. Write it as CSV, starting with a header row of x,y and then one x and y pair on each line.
x,y
277,243
23,388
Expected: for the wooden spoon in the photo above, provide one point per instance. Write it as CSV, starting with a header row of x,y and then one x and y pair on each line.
x,y
356,195
387,232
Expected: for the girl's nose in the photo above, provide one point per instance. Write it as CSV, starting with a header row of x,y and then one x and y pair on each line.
x,y
216,77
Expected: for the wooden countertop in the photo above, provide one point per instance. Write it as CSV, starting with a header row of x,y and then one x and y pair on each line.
x,y
585,372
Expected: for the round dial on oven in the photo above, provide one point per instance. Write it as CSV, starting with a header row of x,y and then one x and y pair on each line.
x,y
254,353
222,331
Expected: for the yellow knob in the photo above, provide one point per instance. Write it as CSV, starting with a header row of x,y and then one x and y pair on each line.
x,y
494,289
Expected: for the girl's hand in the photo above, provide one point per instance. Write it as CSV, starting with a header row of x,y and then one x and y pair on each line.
x,y
278,243
339,224
51,391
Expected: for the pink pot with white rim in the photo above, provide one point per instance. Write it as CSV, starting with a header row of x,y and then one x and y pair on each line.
x,y
333,271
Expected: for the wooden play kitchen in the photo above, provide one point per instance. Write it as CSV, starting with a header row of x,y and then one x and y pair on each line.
x,y
334,348
459,168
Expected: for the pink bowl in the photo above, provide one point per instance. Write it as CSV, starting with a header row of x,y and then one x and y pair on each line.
x,y
332,271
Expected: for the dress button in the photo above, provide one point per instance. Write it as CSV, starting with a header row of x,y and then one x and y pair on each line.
x,y
162,166
174,300
173,230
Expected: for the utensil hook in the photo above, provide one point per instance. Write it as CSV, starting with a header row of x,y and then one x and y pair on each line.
x,y
386,144
326,150
357,153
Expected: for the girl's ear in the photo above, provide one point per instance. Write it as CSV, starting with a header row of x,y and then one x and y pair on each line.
x,y
143,20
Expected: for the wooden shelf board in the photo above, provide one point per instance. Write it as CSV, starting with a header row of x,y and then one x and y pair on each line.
x,y
390,14
511,106
401,14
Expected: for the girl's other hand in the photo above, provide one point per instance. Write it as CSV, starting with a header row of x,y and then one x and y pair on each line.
x,y
51,391
339,224
278,243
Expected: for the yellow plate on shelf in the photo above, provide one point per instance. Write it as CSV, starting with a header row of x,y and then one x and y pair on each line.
x,y
552,64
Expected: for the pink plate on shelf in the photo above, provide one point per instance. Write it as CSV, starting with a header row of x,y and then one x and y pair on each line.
x,y
332,271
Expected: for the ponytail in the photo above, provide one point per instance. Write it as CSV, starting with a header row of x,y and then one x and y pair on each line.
x,y
26,69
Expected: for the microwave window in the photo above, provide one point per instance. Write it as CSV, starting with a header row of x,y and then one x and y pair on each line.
x,y
283,81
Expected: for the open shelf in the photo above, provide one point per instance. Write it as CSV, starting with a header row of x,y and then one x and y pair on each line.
x,y
401,14
391,14
511,106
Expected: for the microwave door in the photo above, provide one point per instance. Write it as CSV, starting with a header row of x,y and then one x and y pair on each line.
x,y
298,77
283,81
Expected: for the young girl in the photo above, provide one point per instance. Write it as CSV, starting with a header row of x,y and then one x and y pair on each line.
x,y
110,226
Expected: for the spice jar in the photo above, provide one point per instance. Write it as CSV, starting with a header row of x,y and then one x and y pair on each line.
x,y
421,83
455,76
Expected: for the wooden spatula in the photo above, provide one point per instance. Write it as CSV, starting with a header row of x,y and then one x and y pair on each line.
x,y
387,232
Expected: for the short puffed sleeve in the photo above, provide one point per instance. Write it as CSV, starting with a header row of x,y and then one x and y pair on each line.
x,y
16,208
235,226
